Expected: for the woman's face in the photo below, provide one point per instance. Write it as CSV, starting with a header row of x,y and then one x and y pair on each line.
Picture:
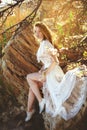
x,y
38,33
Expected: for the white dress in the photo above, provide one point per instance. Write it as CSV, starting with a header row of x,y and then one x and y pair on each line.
x,y
59,87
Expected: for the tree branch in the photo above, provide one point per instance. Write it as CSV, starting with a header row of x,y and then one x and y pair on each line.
x,y
28,18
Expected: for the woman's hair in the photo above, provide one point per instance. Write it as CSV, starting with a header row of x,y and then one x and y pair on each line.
x,y
45,31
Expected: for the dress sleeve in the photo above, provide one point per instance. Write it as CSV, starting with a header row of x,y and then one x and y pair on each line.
x,y
53,52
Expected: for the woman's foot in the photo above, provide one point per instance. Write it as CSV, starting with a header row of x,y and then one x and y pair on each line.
x,y
29,115
41,105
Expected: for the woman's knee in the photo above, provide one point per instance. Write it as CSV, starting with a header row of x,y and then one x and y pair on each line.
x,y
28,77
30,90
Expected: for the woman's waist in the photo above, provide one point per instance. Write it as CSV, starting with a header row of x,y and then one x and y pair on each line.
x,y
47,65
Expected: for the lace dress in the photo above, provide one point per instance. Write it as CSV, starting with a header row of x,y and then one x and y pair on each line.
x,y
59,87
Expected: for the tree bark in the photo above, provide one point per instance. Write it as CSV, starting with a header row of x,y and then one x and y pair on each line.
x,y
19,60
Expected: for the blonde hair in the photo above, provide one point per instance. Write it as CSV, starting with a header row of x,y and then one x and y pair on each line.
x,y
45,31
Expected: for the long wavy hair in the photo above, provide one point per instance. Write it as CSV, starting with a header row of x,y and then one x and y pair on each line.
x,y
45,31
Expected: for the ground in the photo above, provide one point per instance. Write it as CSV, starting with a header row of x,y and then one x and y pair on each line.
x,y
36,123
18,123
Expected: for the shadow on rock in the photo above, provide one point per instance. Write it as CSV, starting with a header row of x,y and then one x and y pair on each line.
x,y
18,123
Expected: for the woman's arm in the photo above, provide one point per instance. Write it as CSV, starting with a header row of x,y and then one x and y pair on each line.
x,y
50,68
47,71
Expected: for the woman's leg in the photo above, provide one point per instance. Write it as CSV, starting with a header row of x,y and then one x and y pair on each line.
x,y
30,110
34,91
33,81
31,98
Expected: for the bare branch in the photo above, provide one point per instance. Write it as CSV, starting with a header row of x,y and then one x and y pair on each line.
x,y
18,2
28,18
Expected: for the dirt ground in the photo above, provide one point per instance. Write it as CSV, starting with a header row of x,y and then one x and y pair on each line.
x,y
36,123
18,123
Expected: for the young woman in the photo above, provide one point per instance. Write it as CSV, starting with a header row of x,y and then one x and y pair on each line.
x,y
36,80
57,87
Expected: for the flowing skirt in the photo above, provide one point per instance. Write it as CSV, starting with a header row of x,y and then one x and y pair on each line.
x,y
64,93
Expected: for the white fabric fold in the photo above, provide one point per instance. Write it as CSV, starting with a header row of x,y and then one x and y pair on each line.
x,y
59,86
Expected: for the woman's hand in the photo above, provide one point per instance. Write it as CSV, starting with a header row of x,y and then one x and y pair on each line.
x,y
41,70
43,76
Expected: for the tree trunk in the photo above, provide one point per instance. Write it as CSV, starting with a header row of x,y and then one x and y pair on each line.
x,y
20,59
